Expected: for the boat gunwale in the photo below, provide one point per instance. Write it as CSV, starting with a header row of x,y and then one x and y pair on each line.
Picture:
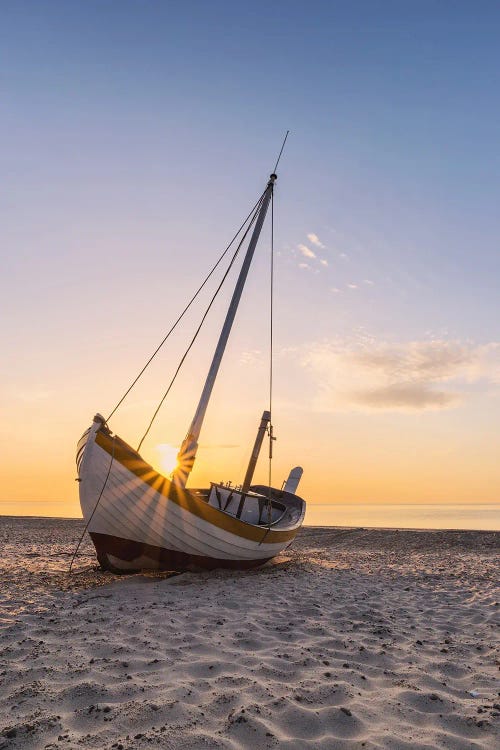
x,y
274,503
128,457
112,509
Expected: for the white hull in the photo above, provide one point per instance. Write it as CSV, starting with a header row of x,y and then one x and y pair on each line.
x,y
138,519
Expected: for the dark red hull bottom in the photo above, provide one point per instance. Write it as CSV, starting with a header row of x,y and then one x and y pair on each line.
x,y
157,558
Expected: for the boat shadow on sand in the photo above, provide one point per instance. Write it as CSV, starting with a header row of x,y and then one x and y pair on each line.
x,y
91,576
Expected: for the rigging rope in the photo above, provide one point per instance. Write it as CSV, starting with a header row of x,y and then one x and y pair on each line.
x,y
257,209
253,214
279,155
271,305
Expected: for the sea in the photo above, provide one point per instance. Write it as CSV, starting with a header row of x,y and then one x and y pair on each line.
x,y
391,516
473,516
459,516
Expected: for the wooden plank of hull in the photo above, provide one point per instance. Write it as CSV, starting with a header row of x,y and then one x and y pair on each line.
x,y
131,460
118,555
131,509
178,532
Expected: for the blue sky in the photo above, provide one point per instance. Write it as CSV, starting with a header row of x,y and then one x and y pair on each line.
x,y
136,135
392,106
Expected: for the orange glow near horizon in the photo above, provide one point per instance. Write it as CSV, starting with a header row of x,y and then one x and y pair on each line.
x,y
407,466
129,175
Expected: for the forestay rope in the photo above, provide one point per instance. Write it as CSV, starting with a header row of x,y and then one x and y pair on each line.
x,y
235,254
193,298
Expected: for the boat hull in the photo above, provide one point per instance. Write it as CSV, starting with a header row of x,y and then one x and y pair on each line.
x,y
138,519
119,555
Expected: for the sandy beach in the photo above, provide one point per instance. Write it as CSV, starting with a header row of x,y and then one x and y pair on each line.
x,y
354,638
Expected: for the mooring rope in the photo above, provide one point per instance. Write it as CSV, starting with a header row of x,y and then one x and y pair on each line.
x,y
95,507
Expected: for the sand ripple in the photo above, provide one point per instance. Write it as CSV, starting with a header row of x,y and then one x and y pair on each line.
x,y
353,639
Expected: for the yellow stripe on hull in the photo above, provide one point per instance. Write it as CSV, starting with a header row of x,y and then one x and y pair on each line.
x,y
134,512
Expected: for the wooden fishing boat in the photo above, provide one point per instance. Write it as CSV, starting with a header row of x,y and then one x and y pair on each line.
x,y
139,519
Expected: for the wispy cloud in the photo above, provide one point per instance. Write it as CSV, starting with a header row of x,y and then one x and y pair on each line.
x,y
306,251
323,261
251,357
314,239
368,282
406,377
305,265
353,286
407,397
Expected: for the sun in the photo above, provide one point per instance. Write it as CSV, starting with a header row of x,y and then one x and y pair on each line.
x,y
168,457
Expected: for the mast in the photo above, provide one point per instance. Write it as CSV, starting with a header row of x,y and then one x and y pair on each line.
x,y
266,418
189,447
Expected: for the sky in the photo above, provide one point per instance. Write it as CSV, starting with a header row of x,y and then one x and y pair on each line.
x,y
134,139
